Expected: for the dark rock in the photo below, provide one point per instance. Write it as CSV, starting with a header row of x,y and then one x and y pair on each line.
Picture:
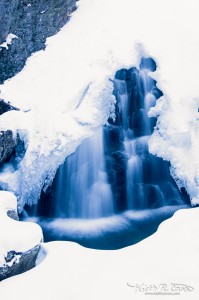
x,y
13,215
7,145
10,147
19,150
32,22
148,63
4,107
7,141
18,262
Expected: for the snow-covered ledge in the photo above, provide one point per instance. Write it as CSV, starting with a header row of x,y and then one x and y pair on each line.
x,y
163,266
19,241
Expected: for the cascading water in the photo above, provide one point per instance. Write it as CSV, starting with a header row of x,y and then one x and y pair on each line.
x,y
82,189
148,180
111,187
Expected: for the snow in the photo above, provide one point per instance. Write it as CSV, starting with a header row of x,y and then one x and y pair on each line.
x,y
65,94
8,41
49,139
76,67
69,271
15,235
74,72
176,139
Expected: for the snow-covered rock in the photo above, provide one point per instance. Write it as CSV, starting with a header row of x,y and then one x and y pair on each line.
x,y
19,241
165,265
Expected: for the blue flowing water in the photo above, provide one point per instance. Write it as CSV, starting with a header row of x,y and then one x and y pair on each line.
x,y
148,180
112,192
82,188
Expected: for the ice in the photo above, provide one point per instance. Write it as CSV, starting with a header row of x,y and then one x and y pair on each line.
x,y
176,139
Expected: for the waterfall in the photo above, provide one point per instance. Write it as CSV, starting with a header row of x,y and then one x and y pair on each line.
x,y
111,192
113,171
148,180
82,189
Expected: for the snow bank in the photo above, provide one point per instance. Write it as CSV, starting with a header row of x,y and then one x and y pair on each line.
x,y
166,262
74,71
14,235
176,139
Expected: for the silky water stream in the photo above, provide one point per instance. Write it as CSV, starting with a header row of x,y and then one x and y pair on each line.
x,y
112,192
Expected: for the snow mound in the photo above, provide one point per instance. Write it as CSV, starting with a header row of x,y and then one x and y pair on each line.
x,y
8,201
166,263
176,139
15,236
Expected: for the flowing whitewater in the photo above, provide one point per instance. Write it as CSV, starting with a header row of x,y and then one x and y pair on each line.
x,y
106,193
86,185
82,189
148,180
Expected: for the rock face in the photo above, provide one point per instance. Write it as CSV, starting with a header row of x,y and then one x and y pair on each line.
x,y
31,21
24,27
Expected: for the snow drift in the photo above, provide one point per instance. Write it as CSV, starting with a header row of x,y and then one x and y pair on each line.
x,y
15,236
70,271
